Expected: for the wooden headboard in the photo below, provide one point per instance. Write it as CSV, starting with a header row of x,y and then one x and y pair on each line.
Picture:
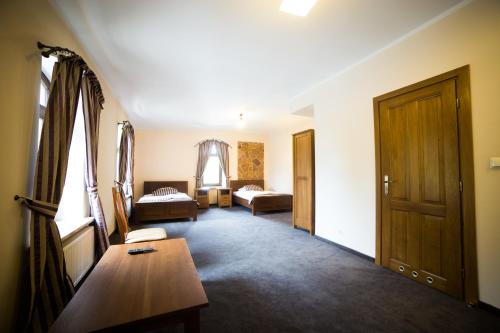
x,y
150,186
237,184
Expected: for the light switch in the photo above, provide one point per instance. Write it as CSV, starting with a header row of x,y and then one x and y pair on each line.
x,y
494,162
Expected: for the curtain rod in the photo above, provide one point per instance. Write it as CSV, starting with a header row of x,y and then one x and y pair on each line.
x,y
48,50
202,141
55,50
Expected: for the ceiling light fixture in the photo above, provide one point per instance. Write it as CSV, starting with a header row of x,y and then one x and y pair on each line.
x,y
241,122
297,7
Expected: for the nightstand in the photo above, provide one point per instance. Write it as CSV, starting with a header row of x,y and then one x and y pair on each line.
x,y
201,196
224,197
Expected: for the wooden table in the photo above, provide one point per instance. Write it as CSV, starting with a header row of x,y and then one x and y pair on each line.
x,y
132,293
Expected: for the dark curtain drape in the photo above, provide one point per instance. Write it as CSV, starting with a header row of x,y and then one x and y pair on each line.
x,y
222,149
51,287
203,155
126,164
92,105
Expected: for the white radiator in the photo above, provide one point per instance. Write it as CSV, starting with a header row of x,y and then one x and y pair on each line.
x,y
79,254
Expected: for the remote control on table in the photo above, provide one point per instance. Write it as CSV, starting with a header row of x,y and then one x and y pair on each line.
x,y
141,250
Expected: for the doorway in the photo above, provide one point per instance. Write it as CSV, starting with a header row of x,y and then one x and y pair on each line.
x,y
425,184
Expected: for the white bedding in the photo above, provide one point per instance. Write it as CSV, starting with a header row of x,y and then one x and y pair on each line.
x,y
249,195
179,196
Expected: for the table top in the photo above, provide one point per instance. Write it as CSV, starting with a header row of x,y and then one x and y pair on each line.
x,y
125,289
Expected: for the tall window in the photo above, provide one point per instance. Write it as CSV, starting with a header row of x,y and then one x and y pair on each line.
x,y
213,175
46,76
74,204
118,141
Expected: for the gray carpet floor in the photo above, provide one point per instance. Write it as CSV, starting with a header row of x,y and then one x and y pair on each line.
x,y
261,275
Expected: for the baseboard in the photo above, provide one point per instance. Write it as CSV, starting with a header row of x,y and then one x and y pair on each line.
x,y
345,248
489,308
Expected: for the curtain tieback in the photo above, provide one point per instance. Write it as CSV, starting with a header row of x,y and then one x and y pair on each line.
x,y
48,209
91,189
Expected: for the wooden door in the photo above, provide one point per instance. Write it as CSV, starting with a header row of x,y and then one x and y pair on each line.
x,y
420,174
303,184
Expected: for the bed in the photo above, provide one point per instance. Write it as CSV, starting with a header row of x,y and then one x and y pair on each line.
x,y
260,202
150,208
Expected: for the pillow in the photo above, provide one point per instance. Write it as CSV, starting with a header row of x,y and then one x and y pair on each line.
x,y
164,191
251,188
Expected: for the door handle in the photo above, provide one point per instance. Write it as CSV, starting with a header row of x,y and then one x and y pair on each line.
x,y
386,184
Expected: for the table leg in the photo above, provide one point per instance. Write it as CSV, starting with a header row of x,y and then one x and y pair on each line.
x,y
192,322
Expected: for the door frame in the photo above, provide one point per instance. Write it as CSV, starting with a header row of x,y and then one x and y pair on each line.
x,y
461,76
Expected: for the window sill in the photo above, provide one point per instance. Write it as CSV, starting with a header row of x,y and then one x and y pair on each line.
x,y
69,228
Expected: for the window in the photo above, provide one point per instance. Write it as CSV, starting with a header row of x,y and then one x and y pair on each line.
x,y
213,175
118,141
46,77
44,98
74,206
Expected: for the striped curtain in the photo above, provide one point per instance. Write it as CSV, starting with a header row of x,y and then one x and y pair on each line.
x,y
51,288
126,165
92,105
222,149
203,155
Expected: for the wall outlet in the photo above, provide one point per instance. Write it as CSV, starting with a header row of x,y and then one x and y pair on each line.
x,y
494,162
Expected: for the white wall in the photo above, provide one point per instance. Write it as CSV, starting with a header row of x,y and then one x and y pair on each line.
x,y
345,164
279,156
106,163
22,24
171,155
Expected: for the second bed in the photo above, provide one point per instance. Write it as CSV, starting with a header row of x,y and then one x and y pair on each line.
x,y
259,201
173,206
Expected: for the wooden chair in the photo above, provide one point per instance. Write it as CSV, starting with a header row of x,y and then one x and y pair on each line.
x,y
127,236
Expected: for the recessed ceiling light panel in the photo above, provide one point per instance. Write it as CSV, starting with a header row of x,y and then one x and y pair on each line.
x,y
297,7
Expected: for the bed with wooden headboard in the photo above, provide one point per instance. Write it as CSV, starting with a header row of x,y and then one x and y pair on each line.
x,y
154,211
261,203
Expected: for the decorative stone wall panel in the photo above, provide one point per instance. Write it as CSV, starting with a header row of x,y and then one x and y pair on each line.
x,y
250,160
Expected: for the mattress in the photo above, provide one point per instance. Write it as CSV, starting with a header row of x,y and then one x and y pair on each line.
x,y
179,196
249,195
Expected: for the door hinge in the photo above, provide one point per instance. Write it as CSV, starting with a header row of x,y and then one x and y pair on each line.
x,y
458,103
461,186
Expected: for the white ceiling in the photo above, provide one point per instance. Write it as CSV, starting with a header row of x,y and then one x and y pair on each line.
x,y
200,63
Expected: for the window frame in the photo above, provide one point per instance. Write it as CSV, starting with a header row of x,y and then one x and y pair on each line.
x,y
45,82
